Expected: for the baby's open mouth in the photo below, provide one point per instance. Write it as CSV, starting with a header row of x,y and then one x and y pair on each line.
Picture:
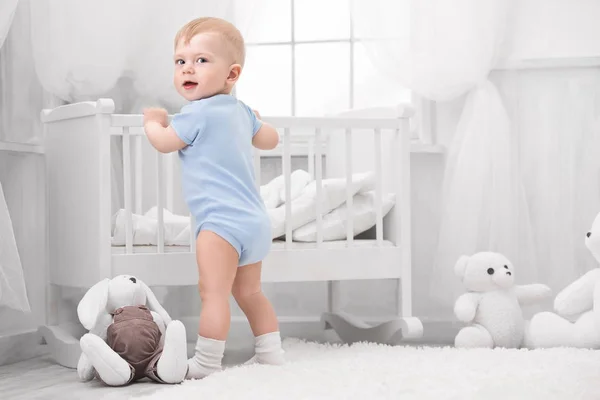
x,y
189,84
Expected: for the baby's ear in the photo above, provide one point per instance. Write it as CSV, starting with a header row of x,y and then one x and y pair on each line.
x,y
461,266
234,73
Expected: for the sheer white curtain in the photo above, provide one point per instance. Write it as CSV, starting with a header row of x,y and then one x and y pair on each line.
x,y
442,50
13,293
557,116
85,49
7,13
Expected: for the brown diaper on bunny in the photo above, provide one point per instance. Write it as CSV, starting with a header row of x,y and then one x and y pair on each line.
x,y
135,337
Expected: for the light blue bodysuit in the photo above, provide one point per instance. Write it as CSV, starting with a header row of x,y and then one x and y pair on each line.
x,y
218,176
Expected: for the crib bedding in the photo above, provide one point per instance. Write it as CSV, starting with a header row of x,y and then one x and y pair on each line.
x,y
303,209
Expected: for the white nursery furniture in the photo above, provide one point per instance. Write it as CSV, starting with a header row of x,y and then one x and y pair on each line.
x,y
83,247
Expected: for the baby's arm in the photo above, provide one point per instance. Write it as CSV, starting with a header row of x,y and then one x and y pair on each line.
x,y
161,135
267,137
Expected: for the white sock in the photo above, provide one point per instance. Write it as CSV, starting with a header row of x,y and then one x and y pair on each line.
x,y
207,359
268,350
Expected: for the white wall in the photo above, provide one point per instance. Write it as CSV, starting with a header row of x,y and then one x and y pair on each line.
x,y
554,28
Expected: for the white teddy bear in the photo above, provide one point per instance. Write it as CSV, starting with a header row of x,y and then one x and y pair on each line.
x,y
492,304
578,306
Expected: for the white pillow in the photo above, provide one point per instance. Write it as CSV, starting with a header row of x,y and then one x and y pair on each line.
x,y
174,224
145,228
273,193
364,217
304,207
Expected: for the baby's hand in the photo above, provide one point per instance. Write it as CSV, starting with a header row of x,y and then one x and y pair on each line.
x,y
159,115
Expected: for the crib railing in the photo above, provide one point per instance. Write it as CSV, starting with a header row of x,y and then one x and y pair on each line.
x,y
130,128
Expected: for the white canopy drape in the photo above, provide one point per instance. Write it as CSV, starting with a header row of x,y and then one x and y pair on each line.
x,y
442,50
13,293
123,52
7,13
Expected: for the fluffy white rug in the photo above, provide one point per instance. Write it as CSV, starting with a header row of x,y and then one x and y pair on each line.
x,y
371,371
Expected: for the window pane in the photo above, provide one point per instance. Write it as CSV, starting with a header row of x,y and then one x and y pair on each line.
x,y
264,20
371,87
322,78
393,20
266,83
321,19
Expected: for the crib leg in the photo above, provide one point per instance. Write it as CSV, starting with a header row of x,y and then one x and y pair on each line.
x,y
412,327
62,339
333,301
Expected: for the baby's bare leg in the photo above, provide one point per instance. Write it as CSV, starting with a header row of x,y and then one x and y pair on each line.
x,y
248,294
217,266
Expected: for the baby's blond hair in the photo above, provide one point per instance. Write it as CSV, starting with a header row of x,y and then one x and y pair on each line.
x,y
221,27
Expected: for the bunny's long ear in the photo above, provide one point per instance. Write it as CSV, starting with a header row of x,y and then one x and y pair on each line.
x,y
154,305
461,266
93,302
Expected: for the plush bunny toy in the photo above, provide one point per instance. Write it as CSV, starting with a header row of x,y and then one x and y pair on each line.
x,y
127,339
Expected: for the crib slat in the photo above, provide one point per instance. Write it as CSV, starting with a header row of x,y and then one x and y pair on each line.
x,y
349,196
319,182
287,178
379,187
170,170
138,174
127,190
159,202
402,212
311,158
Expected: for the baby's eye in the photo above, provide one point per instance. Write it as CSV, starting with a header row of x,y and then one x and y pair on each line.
x,y
179,62
201,60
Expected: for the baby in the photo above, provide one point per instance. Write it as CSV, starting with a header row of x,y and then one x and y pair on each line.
x,y
214,135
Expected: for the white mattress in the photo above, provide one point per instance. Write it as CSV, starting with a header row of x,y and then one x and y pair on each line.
x,y
277,245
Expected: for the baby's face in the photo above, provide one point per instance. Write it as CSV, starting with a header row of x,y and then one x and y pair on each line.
x,y
201,67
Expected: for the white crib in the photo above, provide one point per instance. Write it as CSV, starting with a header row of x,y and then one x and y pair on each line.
x,y
78,154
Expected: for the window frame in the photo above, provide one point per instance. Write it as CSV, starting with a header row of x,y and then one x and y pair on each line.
x,y
421,124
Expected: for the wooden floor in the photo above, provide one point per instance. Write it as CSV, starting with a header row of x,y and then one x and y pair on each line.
x,y
40,378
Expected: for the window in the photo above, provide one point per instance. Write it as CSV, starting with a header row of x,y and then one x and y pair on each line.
x,y
303,60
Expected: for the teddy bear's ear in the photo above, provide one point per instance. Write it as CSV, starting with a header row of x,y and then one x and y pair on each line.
x,y
154,305
92,304
461,266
